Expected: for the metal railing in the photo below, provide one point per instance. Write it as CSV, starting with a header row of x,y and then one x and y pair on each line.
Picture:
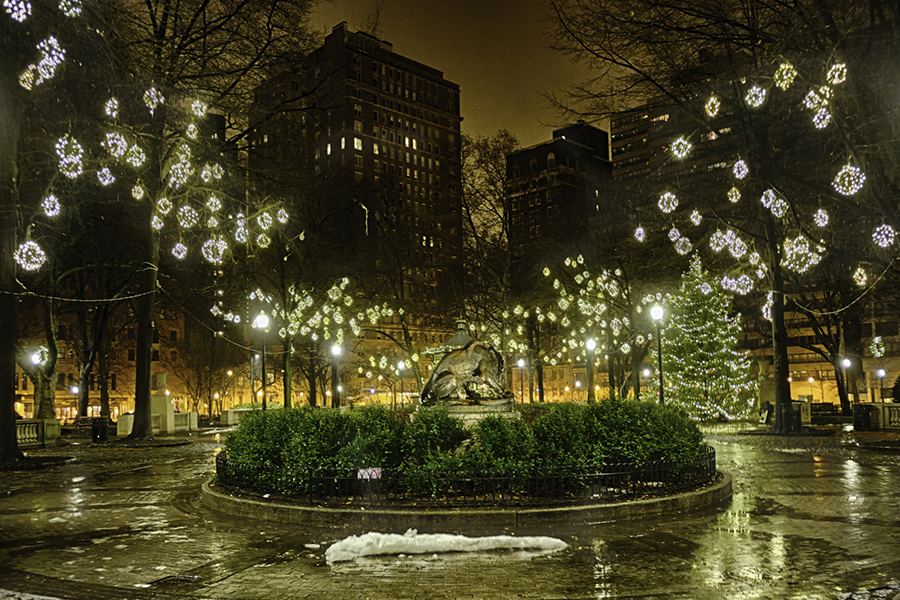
x,y
545,485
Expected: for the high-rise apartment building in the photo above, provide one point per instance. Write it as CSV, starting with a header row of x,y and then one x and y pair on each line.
x,y
557,188
384,131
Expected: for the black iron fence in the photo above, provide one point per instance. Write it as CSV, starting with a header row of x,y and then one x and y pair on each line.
x,y
568,484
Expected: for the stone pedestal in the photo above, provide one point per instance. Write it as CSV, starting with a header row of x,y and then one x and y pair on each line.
x,y
161,405
470,415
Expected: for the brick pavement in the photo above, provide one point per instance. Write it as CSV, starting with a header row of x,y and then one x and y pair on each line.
x,y
811,518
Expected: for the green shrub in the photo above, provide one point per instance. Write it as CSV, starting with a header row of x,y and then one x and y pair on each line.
x,y
432,432
500,443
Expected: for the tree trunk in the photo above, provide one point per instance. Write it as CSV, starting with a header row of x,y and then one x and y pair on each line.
x,y
10,127
313,400
611,366
780,363
589,374
286,368
103,375
335,382
143,423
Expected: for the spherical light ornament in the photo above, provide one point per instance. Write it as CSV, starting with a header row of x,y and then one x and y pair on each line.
x,y
884,235
282,216
681,147
211,172
192,131
51,206
137,192
156,222
111,108
199,108
639,234
52,55
70,8
822,118
821,218
213,204
188,216
798,255
683,245
777,205
29,256
877,348
860,277
696,217
674,234
837,74
135,156
214,250
164,205
263,240
712,106
755,96
70,152
105,176
264,220
19,10
785,75
115,144
740,169
668,202
212,222
849,180
179,251
153,98
241,235
734,195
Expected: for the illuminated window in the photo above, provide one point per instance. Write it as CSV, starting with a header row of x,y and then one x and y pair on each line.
x,y
343,143
328,149
357,144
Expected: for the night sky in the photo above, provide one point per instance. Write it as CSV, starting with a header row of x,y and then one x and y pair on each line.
x,y
495,50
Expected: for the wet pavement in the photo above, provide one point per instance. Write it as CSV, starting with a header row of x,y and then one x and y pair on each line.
x,y
811,518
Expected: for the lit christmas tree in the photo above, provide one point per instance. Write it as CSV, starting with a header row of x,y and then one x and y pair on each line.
x,y
704,372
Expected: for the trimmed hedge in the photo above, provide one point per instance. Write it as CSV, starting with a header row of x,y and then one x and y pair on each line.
x,y
432,441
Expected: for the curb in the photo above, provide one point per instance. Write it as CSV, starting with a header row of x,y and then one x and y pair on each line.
x,y
488,518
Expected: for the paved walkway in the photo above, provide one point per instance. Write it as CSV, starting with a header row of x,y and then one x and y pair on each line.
x,y
811,518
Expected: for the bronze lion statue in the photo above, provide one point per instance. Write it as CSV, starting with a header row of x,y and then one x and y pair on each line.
x,y
462,372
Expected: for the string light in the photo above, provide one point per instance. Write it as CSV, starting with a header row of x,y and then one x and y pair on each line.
x,y
137,192
668,202
712,106
263,240
51,206
181,171
674,235
822,118
214,204
70,153
683,245
681,147
164,205
210,172
755,96
837,74
282,216
264,220
199,108
213,250
742,285
876,346
849,180
156,222
734,195
775,204
817,99
179,250
740,169
860,277
192,131
212,223
821,217
883,235
639,234
767,307
153,98
785,75
29,256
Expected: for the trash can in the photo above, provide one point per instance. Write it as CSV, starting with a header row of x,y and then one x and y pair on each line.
x,y
790,419
862,418
100,430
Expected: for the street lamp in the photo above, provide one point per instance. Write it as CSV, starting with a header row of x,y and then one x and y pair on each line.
x,y
262,323
811,380
521,364
335,390
400,366
881,375
590,345
656,313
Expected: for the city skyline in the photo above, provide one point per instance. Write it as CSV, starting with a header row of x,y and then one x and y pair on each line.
x,y
499,57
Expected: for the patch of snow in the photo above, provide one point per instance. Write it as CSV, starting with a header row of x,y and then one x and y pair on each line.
x,y
375,544
312,546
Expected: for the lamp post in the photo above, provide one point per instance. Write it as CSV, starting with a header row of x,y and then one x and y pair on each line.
x,y
521,364
656,313
400,366
262,323
811,380
590,345
881,375
335,388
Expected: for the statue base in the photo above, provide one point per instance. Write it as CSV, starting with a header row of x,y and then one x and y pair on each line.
x,y
471,414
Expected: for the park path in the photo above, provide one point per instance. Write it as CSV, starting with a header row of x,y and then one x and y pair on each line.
x,y
811,518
